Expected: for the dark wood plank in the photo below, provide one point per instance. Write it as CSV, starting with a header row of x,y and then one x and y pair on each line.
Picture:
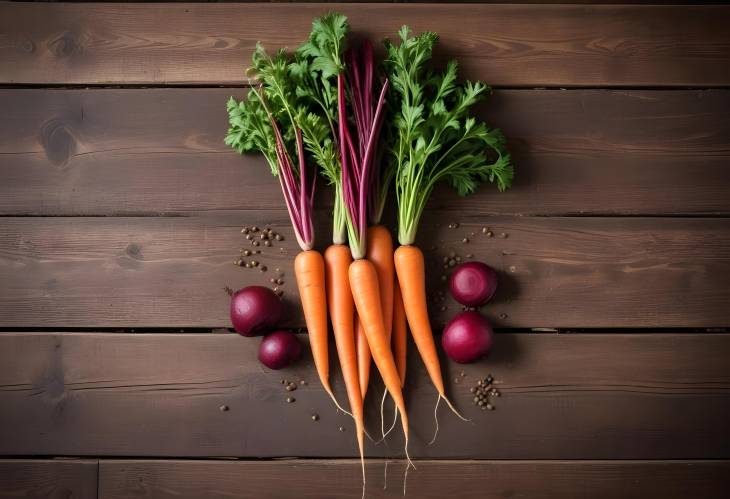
x,y
48,479
433,479
81,152
509,45
620,396
554,272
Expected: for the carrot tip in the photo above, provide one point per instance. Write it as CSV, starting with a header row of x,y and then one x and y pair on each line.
x,y
453,409
332,396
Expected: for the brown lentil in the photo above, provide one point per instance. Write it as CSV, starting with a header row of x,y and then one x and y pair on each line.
x,y
315,417
289,400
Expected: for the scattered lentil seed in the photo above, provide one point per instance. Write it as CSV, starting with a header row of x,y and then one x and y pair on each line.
x,y
473,390
279,237
490,379
315,417
502,315
272,280
481,402
249,237
254,263
264,268
289,400
246,252
503,235
288,388
490,233
456,225
485,230
302,382
267,243
469,255
255,243
465,240
223,408
244,230
255,229
279,293
341,428
490,407
284,382
248,265
462,374
512,269
452,262
476,400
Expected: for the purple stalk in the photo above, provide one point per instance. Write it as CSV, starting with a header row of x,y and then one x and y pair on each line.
x,y
359,171
298,198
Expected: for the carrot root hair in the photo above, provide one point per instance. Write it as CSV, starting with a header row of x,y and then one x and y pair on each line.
x,y
436,419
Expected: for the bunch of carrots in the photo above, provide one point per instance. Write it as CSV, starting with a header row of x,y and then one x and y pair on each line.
x,y
328,103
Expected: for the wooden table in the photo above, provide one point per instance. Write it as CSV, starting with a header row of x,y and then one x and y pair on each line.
x,y
121,211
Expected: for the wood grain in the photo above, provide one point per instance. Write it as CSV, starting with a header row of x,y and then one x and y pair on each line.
x,y
553,272
605,396
101,152
433,479
508,45
48,479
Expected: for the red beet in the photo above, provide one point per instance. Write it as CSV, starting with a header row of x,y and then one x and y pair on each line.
x,y
279,349
255,310
467,337
473,283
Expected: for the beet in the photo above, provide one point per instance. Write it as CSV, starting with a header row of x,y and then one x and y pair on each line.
x,y
255,310
279,349
473,283
467,337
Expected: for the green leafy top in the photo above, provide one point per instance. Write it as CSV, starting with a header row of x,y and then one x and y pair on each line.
x,y
299,93
318,62
435,137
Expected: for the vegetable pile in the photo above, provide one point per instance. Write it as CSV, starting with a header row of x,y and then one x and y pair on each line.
x,y
327,105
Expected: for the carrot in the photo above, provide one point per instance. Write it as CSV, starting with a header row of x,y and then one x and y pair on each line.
x,y
310,276
365,290
410,267
380,252
436,139
399,334
399,345
337,259
364,358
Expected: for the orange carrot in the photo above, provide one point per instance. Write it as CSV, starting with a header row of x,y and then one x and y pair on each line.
x,y
337,259
366,292
410,267
399,333
309,272
399,345
363,357
380,252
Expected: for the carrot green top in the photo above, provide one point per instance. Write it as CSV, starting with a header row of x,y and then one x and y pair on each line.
x,y
434,136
